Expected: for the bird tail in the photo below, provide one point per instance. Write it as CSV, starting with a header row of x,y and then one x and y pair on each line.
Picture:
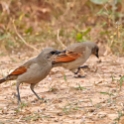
x,y
2,80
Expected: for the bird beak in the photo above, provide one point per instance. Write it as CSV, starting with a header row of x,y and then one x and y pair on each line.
x,y
97,55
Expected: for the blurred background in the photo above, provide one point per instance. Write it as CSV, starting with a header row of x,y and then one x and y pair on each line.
x,y
27,25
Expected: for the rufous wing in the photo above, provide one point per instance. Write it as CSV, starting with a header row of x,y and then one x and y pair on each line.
x,y
67,57
20,70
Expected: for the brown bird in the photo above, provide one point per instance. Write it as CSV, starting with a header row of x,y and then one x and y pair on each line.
x,y
75,55
32,71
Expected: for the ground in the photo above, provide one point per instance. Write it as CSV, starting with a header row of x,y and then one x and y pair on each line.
x,y
26,26
96,99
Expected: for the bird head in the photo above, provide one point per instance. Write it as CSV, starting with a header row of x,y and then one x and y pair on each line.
x,y
48,53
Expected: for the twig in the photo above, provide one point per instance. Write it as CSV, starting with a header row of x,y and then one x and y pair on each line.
x,y
22,39
58,39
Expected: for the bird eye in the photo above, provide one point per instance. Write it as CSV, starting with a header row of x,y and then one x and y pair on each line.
x,y
55,52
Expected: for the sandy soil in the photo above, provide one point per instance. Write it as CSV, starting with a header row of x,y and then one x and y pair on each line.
x,y
96,99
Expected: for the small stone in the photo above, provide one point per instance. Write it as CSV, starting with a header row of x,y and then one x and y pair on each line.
x,y
102,114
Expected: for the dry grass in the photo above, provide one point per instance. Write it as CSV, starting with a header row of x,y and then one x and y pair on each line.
x,y
60,23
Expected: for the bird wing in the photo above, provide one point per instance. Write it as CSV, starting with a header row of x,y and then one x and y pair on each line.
x,y
67,57
13,75
18,71
23,68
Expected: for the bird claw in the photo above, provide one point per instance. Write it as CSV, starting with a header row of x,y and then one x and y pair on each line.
x,y
79,76
43,100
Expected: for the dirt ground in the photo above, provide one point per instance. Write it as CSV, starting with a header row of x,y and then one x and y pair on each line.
x,y
96,99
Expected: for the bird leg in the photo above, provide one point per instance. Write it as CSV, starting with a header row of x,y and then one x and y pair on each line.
x,y
18,94
80,67
32,89
78,70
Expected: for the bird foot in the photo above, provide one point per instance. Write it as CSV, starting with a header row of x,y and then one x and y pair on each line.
x,y
81,67
43,100
79,76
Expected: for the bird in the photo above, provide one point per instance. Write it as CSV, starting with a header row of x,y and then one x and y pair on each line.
x,y
32,71
75,55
